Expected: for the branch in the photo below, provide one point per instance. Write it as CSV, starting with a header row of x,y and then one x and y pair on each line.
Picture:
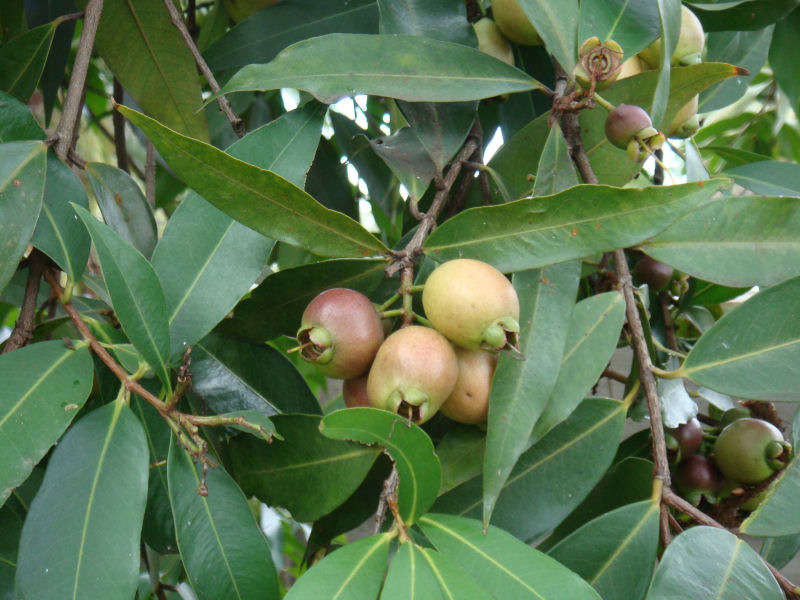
x,y
224,105
71,108
23,329
119,128
138,171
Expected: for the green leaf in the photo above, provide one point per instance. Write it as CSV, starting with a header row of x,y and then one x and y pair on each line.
x,y
153,64
259,38
781,550
556,22
410,576
741,15
503,566
408,159
633,25
225,554
709,563
327,180
556,172
22,60
282,473
580,221
276,305
44,386
16,121
124,207
93,495
398,66
752,362
135,293
436,19
670,13
785,69
354,572
777,515
461,452
552,477
769,178
12,517
22,177
521,388
615,552
232,374
257,198
705,293
739,241
454,582
58,233
418,468
592,336
440,127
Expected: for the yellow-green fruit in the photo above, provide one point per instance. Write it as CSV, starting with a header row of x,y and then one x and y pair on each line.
x,y
239,10
473,304
685,123
469,401
492,42
632,66
514,24
414,372
689,49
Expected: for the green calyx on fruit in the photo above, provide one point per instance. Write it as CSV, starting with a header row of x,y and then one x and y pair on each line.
x,y
629,127
598,61
751,450
492,42
685,123
697,474
688,437
688,50
340,332
514,23
469,400
414,372
472,304
655,274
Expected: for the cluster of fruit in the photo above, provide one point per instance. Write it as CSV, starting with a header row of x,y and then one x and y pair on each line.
x,y
473,311
628,126
729,460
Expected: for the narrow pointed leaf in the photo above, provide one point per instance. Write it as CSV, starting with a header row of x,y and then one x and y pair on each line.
x,y
556,22
418,467
777,515
615,552
225,554
578,222
752,362
769,177
410,576
44,386
670,13
257,198
521,388
405,67
556,171
135,293
22,60
93,495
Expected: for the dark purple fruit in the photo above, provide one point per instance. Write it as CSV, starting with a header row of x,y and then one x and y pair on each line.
x,y
655,274
469,400
689,436
696,473
751,450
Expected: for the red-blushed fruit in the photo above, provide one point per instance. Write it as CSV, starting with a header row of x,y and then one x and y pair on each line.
x,y
514,24
696,473
355,392
414,372
688,50
469,400
751,450
689,436
473,304
340,332
655,274
625,122
492,42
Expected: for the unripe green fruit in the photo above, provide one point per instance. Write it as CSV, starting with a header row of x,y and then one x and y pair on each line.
x,y
473,304
689,49
492,42
354,392
750,450
630,67
733,414
414,372
655,274
514,24
696,473
685,123
340,332
469,400
689,436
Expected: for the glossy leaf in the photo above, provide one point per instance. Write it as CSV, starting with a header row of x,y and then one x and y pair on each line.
x,y
615,552
521,388
58,233
418,468
498,561
633,25
670,13
16,121
281,473
737,359
398,66
556,170
461,452
440,127
739,241
408,159
354,572
225,554
410,576
93,495
784,67
454,582
437,19
276,305
705,563
556,22
769,177
546,483
594,328
776,515
22,178
135,293
781,550
741,14
578,222
153,65
22,60
257,198
705,293
44,386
